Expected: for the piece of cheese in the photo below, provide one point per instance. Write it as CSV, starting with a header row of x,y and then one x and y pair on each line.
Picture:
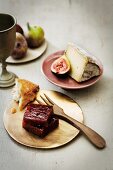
x,y
83,67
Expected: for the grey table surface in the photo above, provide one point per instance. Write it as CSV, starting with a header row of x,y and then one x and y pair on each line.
x,y
90,24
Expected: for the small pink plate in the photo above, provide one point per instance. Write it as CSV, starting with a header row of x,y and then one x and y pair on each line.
x,y
66,82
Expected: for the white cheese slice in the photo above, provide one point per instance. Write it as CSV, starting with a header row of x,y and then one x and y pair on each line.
x,y
83,67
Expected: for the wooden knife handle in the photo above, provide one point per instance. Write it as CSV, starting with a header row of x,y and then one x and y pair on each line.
x,y
93,136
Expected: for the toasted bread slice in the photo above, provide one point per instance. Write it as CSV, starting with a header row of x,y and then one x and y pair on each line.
x,y
24,92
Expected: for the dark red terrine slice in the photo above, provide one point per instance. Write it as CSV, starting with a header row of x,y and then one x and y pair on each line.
x,y
38,114
41,131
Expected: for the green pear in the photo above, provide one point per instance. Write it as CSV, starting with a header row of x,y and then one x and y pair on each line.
x,y
35,36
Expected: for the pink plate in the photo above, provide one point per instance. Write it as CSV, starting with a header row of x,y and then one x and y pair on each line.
x,y
66,82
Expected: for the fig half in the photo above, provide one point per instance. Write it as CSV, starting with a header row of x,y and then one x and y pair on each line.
x,y
61,65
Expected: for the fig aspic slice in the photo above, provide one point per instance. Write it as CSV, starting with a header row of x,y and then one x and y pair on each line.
x,y
60,65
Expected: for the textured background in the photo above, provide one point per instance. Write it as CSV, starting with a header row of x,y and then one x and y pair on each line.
x,y
90,24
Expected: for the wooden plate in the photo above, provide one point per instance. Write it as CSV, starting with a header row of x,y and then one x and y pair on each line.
x,y
62,135
32,54
66,82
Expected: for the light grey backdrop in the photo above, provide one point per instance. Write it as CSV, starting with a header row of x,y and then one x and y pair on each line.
x,y
90,24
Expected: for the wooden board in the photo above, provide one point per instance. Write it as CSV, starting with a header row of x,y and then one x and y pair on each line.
x,y
62,135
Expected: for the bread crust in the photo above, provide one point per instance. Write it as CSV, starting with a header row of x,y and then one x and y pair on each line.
x,y
28,92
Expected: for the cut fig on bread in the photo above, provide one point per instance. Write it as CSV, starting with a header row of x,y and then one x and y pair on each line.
x,y
24,92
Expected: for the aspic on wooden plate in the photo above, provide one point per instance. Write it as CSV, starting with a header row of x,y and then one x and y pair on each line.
x,y
60,136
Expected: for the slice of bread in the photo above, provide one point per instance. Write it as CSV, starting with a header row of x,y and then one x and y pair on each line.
x,y
24,92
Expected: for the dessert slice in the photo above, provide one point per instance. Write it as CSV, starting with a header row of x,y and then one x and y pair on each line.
x,y
41,131
24,92
37,114
39,119
83,67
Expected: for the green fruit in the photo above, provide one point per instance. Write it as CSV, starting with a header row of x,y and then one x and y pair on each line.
x,y
35,36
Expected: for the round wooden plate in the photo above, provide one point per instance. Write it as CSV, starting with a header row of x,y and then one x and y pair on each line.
x,y
60,136
32,54
66,82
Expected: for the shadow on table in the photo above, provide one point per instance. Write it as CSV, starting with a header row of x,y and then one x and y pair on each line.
x,y
100,88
